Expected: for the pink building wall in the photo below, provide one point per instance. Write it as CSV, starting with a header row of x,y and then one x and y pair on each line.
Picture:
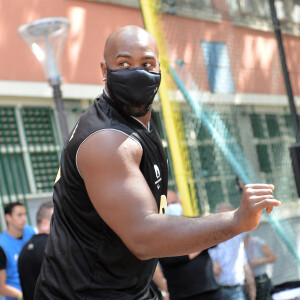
x,y
253,54
91,23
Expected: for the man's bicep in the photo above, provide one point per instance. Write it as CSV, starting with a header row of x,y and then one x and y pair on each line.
x,y
115,184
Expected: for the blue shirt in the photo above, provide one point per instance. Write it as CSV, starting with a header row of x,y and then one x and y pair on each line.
x,y
254,250
232,258
12,248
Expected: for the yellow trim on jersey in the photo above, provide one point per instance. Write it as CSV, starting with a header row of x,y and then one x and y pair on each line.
x,y
163,204
57,176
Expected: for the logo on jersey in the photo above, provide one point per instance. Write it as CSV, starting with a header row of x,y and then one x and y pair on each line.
x,y
30,246
157,174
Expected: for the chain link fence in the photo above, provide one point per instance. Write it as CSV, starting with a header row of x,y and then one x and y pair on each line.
x,y
225,62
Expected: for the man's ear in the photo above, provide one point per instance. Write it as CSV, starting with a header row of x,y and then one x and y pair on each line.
x,y
104,70
7,218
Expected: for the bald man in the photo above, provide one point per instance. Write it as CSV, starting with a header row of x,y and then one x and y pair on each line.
x,y
107,231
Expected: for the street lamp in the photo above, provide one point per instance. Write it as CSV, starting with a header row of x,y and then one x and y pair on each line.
x,y
46,39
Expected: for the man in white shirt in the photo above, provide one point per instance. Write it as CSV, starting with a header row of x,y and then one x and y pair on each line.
x,y
230,258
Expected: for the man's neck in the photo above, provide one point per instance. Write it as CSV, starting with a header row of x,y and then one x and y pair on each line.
x,y
42,230
17,234
145,119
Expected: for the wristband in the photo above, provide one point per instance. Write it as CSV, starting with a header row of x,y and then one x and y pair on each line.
x,y
163,293
20,297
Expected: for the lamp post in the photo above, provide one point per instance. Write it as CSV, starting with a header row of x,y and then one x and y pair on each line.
x,y
46,39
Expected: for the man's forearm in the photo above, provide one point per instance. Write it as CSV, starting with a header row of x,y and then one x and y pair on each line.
x,y
10,291
174,236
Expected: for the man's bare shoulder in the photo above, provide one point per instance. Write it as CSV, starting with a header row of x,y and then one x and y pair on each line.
x,y
108,146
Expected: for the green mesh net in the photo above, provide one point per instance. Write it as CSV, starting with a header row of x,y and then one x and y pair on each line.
x,y
238,126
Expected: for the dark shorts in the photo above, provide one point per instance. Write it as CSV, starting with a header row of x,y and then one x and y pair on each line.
x,y
263,287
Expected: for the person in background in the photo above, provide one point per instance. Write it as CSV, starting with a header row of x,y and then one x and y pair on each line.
x,y
189,277
239,184
259,255
159,284
109,227
11,242
174,207
229,258
32,253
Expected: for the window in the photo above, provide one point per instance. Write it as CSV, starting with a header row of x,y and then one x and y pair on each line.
x,y
288,10
255,7
130,3
281,10
198,9
273,135
13,179
214,176
260,138
257,15
29,152
296,11
217,67
214,193
191,4
247,6
42,145
263,158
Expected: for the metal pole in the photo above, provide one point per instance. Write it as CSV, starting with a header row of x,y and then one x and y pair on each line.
x,y
288,86
61,112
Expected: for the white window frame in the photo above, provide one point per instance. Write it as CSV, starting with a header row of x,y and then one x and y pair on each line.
x,y
178,7
260,18
26,150
129,3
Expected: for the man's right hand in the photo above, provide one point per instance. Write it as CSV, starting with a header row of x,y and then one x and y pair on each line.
x,y
255,198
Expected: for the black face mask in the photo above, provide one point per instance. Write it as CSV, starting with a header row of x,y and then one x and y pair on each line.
x,y
133,87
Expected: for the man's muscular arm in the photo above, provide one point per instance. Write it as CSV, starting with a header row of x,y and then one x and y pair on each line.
x,y
109,163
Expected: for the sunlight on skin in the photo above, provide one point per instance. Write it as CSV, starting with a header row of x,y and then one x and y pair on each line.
x,y
142,39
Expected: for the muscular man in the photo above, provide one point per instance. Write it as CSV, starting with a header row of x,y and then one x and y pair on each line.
x,y
107,232
11,242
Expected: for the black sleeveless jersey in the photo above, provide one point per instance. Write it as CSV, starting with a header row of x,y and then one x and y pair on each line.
x,y
84,258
